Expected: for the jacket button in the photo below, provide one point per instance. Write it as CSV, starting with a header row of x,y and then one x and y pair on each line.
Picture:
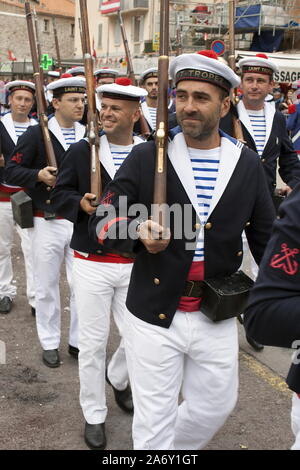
x,y
48,202
197,226
263,160
99,252
248,223
162,316
156,281
239,253
208,226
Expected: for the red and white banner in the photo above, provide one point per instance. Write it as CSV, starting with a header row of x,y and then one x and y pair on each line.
x,y
110,6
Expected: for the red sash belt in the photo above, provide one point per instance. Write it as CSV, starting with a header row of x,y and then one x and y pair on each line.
x,y
107,258
42,215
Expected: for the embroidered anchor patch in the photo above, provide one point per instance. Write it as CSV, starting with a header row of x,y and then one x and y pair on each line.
x,y
286,262
107,199
17,158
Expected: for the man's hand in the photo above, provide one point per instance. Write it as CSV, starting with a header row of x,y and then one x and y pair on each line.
x,y
2,161
154,236
285,191
85,203
47,175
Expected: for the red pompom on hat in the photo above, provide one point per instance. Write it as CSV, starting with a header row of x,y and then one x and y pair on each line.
x,y
208,53
263,56
66,75
124,81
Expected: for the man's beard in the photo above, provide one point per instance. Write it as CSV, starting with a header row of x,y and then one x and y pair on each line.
x,y
201,129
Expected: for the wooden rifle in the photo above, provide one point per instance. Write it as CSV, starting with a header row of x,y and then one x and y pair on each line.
x,y
93,124
39,90
237,127
58,57
161,138
145,129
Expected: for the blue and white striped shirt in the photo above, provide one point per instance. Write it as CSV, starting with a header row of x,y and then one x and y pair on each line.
x,y
205,165
69,135
119,153
258,124
153,113
21,127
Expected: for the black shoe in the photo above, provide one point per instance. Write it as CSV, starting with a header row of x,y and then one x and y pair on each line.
x,y
51,358
73,351
5,305
94,436
255,345
123,397
33,311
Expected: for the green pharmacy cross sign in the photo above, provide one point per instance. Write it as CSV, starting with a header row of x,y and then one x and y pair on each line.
x,y
46,62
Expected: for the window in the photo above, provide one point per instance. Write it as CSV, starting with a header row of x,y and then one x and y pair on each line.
x,y
138,25
46,26
72,30
100,35
117,33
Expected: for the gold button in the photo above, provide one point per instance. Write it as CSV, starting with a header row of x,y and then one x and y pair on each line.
x,y
208,226
99,252
278,217
239,253
48,202
197,226
162,316
248,223
156,281
263,160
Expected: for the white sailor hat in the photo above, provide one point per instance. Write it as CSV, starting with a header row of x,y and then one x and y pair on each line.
x,y
260,63
122,89
203,66
54,73
149,73
106,73
67,85
76,71
20,85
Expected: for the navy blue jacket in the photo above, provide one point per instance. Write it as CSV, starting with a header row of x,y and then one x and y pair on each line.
x,y
237,209
273,314
72,183
27,159
278,148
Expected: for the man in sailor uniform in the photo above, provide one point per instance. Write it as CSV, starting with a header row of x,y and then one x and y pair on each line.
x,y
101,278
264,128
104,76
149,81
13,124
171,346
293,125
273,316
51,234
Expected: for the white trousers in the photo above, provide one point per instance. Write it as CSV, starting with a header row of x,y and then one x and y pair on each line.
x,y
50,247
194,356
7,228
252,267
100,288
295,420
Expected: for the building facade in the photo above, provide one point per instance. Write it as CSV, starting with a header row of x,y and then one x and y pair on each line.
x,y
15,49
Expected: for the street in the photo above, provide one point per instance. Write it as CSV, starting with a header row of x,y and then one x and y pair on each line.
x,y
39,407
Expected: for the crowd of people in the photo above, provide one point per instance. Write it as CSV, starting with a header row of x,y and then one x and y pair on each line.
x,y
149,275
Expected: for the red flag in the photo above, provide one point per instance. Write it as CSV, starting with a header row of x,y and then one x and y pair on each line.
x,y
11,56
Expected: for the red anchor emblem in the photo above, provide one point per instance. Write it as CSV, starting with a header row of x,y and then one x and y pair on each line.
x,y
106,200
286,262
